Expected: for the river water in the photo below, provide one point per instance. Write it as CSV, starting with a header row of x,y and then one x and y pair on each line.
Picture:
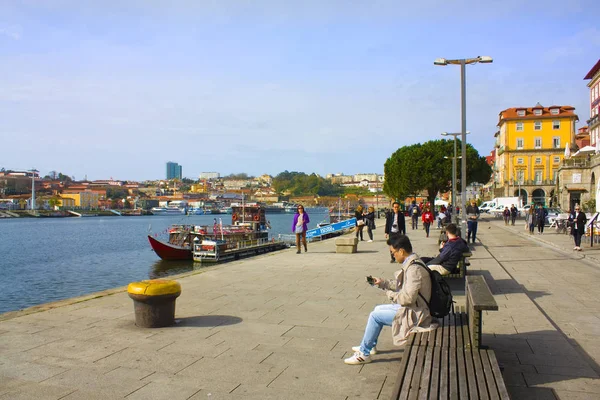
x,y
49,259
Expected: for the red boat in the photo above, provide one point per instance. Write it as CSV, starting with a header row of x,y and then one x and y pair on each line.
x,y
168,251
246,223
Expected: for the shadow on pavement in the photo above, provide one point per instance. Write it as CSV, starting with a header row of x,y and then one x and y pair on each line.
x,y
207,321
531,360
507,286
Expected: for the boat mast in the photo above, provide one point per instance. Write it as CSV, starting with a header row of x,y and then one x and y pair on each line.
x,y
243,208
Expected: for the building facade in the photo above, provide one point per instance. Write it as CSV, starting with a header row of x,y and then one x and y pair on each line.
x,y
174,170
209,175
594,122
578,181
530,145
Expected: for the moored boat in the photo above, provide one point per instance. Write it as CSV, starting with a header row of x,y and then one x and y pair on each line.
x,y
246,235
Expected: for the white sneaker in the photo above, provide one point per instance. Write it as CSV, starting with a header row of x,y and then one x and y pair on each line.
x,y
357,359
373,350
370,241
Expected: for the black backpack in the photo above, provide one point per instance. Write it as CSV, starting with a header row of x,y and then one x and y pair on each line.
x,y
441,301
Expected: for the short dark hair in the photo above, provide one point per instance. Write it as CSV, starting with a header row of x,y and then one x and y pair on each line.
x,y
452,229
400,242
394,203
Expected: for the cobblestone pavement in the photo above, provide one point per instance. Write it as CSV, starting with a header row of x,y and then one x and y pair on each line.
x,y
279,326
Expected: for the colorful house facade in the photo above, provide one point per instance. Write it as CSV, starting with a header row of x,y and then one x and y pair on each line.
x,y
530,145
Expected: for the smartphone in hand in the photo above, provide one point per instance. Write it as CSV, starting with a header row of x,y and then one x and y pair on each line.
x,y
370,280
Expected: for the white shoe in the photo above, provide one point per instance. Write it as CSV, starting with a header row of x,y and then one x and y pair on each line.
x,y
357,359
575,248
373,350
370,241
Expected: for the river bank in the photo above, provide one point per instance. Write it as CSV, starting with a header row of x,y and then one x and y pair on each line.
x,y
50,259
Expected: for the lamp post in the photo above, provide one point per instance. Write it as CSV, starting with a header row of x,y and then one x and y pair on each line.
x,y
463,182
33,171
454,173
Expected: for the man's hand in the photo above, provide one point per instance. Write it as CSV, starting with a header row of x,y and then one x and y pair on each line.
x,y
377,281
386,235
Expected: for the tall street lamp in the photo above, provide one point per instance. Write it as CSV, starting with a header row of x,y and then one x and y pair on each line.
x,y
33,172
463,182
454,172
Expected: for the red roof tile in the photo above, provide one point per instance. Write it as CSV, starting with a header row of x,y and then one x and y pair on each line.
x,y
511,113
593,71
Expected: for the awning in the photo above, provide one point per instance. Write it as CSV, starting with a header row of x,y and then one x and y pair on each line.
x,y
576,190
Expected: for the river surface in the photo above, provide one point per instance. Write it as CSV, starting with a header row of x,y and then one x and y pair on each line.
x,y
49,259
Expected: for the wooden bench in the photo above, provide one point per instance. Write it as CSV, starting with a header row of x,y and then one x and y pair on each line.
x,y
449,362
461,267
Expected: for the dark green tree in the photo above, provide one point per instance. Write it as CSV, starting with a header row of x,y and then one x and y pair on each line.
x,y
412,169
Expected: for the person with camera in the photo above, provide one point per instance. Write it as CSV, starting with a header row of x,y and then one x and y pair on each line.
x,y
360,221
409,292
395,224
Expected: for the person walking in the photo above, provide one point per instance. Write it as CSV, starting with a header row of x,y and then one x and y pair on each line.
x,y
360,221
531,219
506,215
370,222
513,214
578,220
427,219
395,224
540,218
415,212
299,227
409,292
472,218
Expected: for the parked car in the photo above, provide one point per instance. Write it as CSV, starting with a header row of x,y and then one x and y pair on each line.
x,y
553,213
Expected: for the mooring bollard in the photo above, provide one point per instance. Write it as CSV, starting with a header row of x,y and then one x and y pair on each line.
x,y
154,302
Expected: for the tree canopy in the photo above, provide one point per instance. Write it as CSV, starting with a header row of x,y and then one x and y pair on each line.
x,y
412,169
299,183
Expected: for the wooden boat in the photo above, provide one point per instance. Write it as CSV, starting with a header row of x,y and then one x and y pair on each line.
x,y
213,243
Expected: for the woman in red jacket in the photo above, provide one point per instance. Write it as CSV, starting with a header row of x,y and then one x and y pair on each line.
x,y
427,218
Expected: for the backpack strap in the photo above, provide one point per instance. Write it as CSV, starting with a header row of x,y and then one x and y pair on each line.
x,y
418,261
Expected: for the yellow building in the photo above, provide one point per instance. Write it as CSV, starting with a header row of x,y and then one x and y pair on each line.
x,y
530,145
86,199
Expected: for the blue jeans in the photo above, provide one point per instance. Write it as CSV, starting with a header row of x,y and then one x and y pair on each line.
x,y
381,315
471,230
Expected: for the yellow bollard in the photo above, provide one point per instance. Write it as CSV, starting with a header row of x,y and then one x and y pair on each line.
x,y
154,302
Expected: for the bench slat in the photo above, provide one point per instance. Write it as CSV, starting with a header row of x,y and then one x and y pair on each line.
x,y
462,376
418,374
410,367
403,364
479,293
444,371
452,374
435,373
479,373
470,372
497,375
427,378
489,376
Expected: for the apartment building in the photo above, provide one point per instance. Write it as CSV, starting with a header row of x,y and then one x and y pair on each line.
x,y
530,145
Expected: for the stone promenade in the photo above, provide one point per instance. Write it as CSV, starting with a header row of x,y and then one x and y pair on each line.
x,y
279,326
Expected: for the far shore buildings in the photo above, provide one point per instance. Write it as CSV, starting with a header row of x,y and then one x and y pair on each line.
x,y
174,170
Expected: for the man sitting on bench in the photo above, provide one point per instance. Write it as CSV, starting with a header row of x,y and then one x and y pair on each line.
x,y
450,254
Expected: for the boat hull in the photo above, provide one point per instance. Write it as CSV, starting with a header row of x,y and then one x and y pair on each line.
x,y
168,251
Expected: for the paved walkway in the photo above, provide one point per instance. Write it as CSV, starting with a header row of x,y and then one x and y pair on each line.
x,y
279,326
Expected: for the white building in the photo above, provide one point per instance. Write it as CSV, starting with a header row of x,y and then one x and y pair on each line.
x,y
209,175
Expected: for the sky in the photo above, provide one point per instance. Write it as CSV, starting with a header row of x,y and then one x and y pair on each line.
x,y
101,89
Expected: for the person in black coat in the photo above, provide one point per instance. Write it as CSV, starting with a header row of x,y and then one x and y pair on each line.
x,y
578,220
395,224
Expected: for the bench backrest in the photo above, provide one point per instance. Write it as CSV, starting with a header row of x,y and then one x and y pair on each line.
x,y
478,298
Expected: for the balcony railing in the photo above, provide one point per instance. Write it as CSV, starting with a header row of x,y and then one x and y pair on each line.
x,y
577,162
592,122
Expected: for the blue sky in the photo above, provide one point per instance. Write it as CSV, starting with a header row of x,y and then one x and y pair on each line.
x,y
118,88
